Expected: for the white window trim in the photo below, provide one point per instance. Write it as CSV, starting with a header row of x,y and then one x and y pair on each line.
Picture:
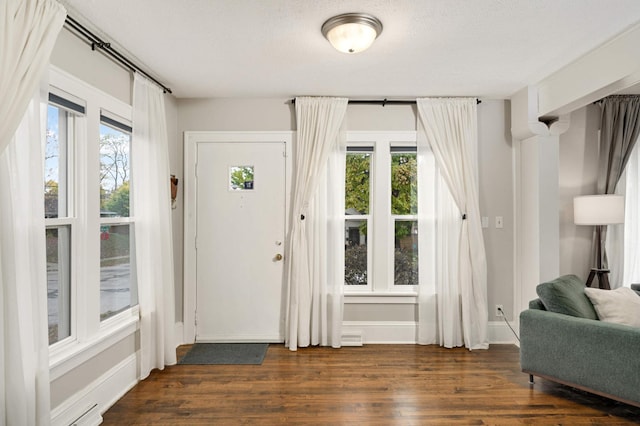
x,y
381,290
65,355
90,336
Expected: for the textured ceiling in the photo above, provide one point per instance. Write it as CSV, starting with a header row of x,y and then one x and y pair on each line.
x,y
274,48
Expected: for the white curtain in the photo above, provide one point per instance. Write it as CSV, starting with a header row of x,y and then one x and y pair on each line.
x,y
28,30
450,128
631,237
314,299
24,343
614,244
326,218
153,232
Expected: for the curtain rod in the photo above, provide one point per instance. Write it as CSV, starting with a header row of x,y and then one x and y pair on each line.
x,y
382,102
96,42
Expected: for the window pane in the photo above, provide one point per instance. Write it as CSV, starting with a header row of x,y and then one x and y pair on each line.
x,y
55,163
241,178
357,183
114,172
117,277
404,186
406,252
355,252
58,282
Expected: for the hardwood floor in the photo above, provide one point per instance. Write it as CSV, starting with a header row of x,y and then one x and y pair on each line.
x,y
374,384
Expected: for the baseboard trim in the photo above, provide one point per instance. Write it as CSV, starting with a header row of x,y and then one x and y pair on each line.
x,y
226,338
498,333
87,406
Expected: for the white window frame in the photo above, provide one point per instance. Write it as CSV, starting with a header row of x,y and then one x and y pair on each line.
x,y
66,156
89,335
381,287
115,221
368,217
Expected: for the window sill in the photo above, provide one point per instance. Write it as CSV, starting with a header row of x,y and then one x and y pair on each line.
x,y
381,298
67,357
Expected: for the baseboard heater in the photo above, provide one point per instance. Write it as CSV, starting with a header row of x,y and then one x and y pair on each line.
x,y
352,339
91,417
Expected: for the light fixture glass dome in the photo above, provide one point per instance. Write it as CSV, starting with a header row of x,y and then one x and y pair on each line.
x,y
352,32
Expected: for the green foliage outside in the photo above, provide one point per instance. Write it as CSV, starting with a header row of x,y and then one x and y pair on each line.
x,y
357,185
355,261
114,172
117,201
404,201
404,187
405,268
240,175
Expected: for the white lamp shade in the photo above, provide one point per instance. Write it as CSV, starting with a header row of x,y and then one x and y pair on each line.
x,y
598,209
351,38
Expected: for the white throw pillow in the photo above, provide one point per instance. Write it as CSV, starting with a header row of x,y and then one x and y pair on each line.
x,y
621,305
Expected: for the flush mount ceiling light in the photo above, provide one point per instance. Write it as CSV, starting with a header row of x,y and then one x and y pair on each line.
x,y
352,32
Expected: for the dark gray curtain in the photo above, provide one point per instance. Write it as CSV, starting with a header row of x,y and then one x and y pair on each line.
x,y
619,131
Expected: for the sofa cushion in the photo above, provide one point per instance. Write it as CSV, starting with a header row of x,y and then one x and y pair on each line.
x,y
621,306
565,295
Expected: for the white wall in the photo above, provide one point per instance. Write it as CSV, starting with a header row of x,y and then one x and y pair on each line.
x,y
76,57
577,176
495,158
495,174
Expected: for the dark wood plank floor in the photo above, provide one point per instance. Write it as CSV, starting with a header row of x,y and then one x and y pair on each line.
x,y
374,384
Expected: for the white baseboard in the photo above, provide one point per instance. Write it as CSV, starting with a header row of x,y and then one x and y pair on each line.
x,y
245,338
87,406
498,333
358,333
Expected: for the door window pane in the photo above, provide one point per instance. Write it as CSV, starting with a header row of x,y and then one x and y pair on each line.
x,y
357,183
58,241
117,277
404,187
406,252
355,253
241,178
114,172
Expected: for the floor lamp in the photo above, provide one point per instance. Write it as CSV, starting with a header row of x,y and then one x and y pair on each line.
x,y
598,211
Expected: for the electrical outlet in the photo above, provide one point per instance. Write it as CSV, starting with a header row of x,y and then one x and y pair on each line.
x,y
499,311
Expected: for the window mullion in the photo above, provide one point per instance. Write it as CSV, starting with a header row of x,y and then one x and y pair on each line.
x,y
382,245
89,205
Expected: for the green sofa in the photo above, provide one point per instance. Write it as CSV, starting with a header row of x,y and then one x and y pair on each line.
x,y
564,342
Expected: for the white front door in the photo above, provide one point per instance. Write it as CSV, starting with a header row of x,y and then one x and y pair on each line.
x,y
240,235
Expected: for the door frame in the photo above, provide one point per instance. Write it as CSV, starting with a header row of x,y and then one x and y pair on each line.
x,y
191,141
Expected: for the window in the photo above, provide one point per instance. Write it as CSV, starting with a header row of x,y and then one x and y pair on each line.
x,y
404,211
117,278
381,213
59,217
357,199
90,229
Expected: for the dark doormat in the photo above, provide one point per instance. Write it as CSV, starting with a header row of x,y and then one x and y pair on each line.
x,y
225,353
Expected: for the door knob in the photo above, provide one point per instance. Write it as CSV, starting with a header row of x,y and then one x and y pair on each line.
x,y
278,256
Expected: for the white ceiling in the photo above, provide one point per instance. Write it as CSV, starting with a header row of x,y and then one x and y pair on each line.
x,y
274,48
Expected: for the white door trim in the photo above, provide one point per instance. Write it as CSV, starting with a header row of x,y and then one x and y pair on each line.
x,y
191,141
